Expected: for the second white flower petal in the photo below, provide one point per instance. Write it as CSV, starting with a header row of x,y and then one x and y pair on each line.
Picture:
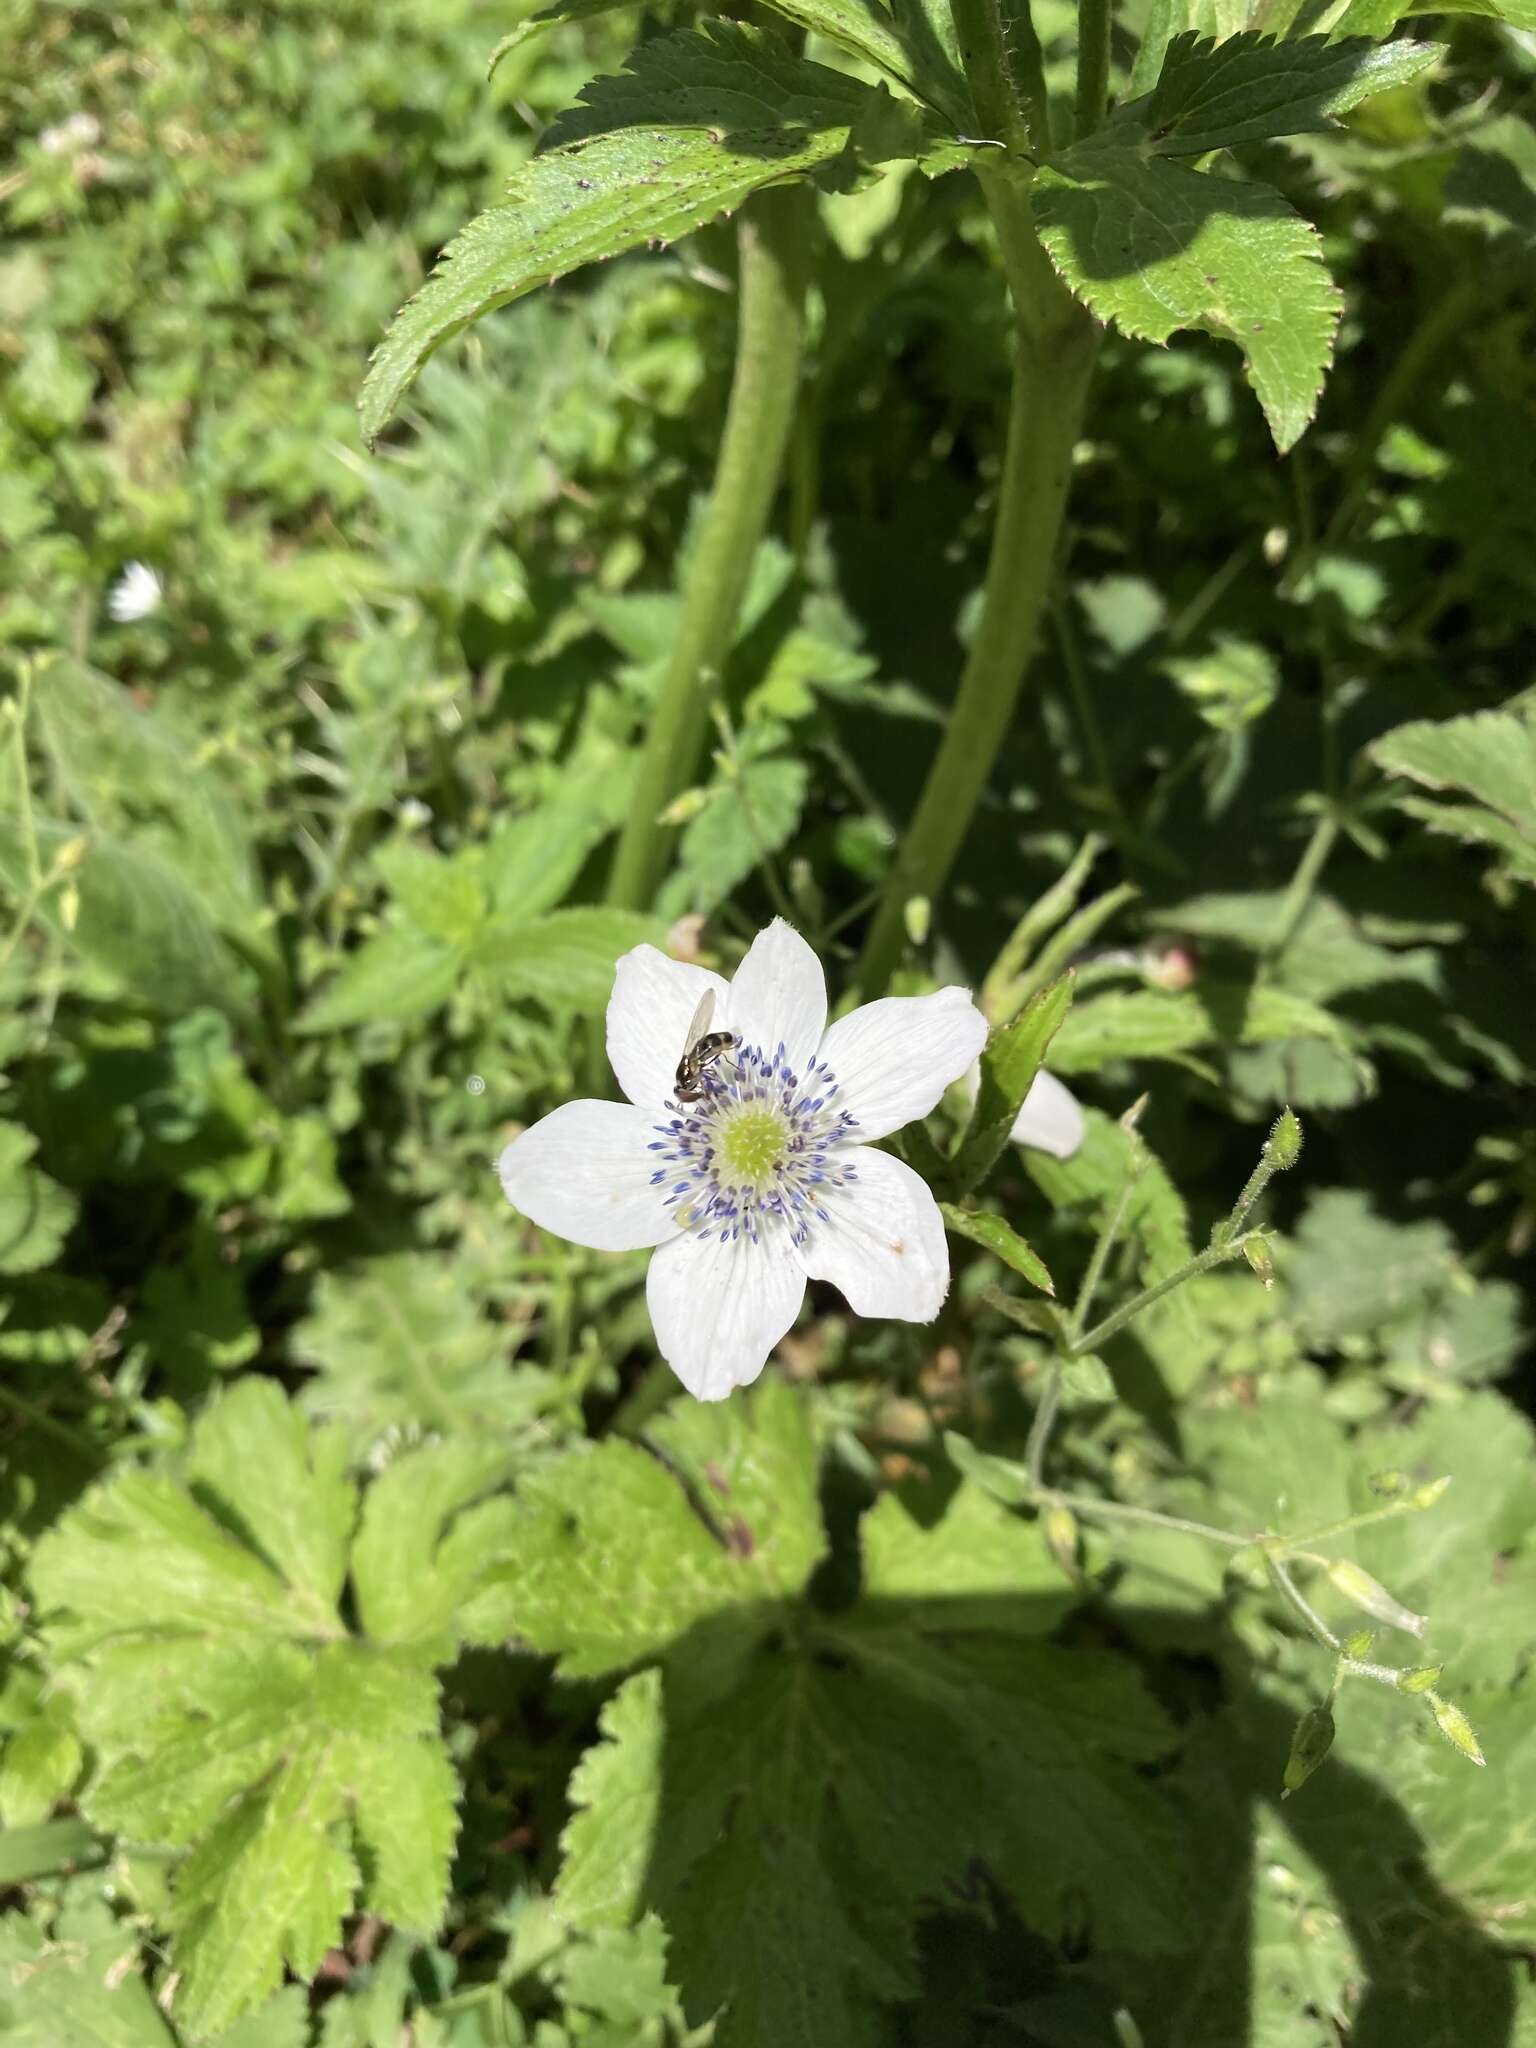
x,y
882,1243
893,1059
584,1172
1050,1118
719,1309
779,995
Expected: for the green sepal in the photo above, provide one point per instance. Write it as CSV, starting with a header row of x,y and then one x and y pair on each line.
x,y
1009,1063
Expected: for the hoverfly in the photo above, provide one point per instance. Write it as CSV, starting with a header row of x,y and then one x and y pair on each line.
x,y
701,1049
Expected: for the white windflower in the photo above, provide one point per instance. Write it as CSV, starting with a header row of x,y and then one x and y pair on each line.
x,y
135,594
771,1177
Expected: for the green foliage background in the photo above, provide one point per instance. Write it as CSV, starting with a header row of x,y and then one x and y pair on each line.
x,y
382,1645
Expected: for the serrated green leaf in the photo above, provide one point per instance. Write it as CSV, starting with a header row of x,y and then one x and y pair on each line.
x,y
1010,1061
976,1552
124,768
1491,756
746,817
411,1577
397,976
77,1986
698,123
35,1212
139,920
1154,247
297,1767
613,1560
788,1857
1216,95
1001,1240
1161,1024
401,1344
445,899
566,958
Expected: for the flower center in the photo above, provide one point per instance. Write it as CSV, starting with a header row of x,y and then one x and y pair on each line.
x,y
752,1143
757,1152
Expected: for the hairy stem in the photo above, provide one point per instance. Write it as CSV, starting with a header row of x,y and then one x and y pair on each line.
x,y
1054,346
1093,17
1202,1262
774,238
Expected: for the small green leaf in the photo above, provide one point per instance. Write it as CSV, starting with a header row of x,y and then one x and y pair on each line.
x,y
1311,1742
649,157
1006,1479
1154,247
1001,1239
1010,1061
1216,95
35,1212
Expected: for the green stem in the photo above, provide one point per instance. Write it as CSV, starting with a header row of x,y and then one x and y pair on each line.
x,y
1447,313
1040,1428
1202,1262
985,50
1092,64
773,238
1105,1242
1054,347
1092,1507
1298,895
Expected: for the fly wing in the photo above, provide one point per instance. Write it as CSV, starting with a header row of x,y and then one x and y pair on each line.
x,y
700,1024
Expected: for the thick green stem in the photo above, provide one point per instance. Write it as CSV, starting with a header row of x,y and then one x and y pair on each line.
x,y
1092,64
774,243
986,49
1054,348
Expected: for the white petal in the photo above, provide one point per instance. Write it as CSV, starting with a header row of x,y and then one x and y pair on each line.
x,y
649,1012
1050,1118
719,1309
883,1246
584,1173
893,1059
779,995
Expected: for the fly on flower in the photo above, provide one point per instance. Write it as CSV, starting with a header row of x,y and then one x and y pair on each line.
x,y
701,1049
749,1175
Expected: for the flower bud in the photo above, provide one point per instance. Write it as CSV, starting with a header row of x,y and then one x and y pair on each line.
x,y
71,853
69,906
1388,1484
1061,1539
1370,1594
1309,1745
917,915
1420,1678
1284,1146
1429,1493
1359,1644
1256,1252
1455,1727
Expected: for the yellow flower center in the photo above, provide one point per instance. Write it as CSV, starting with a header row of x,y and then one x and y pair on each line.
x,y
750,1144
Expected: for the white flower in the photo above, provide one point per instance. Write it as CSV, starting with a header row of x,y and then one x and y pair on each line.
x,y
771,1177
135,594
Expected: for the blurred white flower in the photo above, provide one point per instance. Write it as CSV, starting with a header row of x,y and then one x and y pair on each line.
x,y
79,131
411,812
135,594
770,1177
